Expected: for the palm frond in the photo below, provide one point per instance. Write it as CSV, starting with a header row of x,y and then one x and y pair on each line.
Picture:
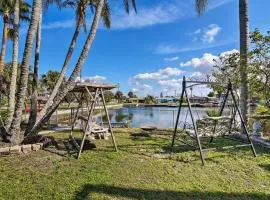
x,y
201,6
106,15
127,5
81,13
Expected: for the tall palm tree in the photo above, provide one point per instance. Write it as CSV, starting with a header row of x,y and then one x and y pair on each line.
x,y
19,6
14,132
80,10
7,12
244,50
34,95
69,85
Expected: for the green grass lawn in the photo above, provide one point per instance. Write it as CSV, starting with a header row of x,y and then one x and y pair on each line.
x,y
142,169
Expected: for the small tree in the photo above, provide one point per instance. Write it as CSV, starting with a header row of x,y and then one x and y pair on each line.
x,y
109,96
119,96
131,94
49,79
211,94
149,99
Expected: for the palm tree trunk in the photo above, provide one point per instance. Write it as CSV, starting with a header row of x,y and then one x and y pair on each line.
x,y
4,44
12,88
71,81
63,71
15,132
34,96
244,49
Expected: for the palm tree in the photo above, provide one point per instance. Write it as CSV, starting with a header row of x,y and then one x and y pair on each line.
x,y
34,94
7,11
244,50
80,10
19,6
69,85
14,132
80,7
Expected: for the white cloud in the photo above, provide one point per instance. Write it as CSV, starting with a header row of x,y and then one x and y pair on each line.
x,y
160,74
171,49
213,4
229,52
210,34
159,14
203,64
168,12
171,59
92,79
170,84
143,89
59,24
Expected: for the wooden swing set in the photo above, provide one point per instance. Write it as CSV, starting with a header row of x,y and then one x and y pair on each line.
x,y
213,127
91,94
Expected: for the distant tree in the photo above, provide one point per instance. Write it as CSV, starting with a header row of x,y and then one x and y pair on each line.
x,y
131,94
7,11
49,79
109,96
211,94
259,72
7,79
226,66
149,99
119,95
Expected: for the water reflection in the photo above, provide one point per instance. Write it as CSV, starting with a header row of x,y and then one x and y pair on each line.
x,y
153,116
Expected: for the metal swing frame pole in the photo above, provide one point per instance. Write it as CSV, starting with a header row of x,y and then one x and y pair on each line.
x,y
195,130
179,110
242,121
221,109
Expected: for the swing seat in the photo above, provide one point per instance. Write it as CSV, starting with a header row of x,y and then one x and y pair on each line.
x,y
211,127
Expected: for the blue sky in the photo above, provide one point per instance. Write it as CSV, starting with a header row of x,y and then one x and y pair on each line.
x,y
151,51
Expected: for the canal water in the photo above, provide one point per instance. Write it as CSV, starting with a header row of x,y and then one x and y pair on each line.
x,y
161,117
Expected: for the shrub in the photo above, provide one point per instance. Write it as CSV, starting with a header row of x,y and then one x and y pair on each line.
x,y
212,113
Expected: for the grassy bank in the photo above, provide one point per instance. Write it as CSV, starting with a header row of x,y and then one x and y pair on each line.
x,y
142,169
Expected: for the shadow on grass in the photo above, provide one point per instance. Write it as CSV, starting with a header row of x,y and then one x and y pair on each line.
x,y
135,193
66,148
265,166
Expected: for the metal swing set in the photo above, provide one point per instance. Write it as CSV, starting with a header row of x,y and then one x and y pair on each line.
x,y
210,127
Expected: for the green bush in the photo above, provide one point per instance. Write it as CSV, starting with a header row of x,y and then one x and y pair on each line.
x,y
4,115
262,110
212,113
265,123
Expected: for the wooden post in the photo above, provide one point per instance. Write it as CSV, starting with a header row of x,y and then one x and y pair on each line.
x,y
108,118
87,123
76,115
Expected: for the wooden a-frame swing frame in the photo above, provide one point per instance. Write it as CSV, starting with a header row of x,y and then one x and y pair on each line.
x,y
229,91
93,92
